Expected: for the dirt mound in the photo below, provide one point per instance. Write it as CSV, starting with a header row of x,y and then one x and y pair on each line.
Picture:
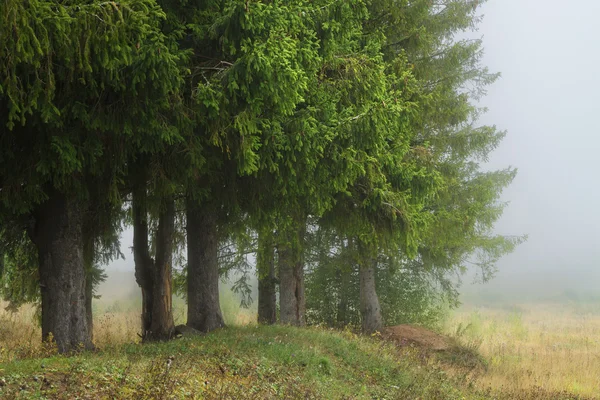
x,y
446,350
405,335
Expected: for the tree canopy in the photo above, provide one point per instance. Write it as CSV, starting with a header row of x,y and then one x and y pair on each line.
x,y
341,135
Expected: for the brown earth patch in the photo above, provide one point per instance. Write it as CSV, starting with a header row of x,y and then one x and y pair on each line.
x,y
443,348
406,335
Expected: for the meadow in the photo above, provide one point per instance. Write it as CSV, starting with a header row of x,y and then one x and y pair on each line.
x,y
529,351
550,345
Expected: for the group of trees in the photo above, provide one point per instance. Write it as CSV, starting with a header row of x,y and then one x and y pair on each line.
x,y
340,134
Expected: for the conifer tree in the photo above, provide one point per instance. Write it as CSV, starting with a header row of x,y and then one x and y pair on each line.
x,y
82,85
250,67
411,213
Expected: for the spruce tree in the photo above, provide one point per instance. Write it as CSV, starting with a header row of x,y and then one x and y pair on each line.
x,y
83,84
408,211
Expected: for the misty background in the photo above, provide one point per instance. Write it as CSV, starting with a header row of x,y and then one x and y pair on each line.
x,y
548,101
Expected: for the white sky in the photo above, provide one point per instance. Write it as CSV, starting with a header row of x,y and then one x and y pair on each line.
x,y
548,100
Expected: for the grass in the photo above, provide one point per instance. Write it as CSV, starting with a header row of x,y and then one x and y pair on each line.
x,y
529,353
553,347
247,362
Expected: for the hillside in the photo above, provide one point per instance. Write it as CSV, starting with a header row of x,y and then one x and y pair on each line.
x,y
244,363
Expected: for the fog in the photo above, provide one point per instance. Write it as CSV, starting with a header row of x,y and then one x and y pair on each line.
x,y
548,101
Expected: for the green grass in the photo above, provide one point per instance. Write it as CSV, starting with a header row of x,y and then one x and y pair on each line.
x,y
251,362
240,363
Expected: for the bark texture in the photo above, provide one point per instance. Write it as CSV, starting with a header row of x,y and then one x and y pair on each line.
x,y
292,301
162,325
267,293
342,309
59,240
88,262
144,264
89,314
370,310
204,308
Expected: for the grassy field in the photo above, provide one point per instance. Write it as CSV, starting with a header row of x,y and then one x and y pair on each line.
x,y
530,352
244,362
552,346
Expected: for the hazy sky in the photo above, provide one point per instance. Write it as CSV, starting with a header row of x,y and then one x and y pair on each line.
x,y
548,100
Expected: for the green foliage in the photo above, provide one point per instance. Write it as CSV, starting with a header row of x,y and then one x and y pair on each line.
x,y
19,275
116,79
407,293
354,122
83,86
422,207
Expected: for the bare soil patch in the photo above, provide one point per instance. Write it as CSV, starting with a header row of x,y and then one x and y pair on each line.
x,y
406,335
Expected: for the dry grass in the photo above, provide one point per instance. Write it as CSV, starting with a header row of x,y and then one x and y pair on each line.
x,y
531,347
19,335
115,323
252,362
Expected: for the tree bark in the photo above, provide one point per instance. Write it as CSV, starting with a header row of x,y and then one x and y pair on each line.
x,y
88,262
204,309
59,240
292,302
342,311
89,313
144,264
162,324
370,309
267,293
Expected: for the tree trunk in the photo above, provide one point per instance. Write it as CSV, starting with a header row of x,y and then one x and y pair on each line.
x,y
88,262
59,240
144,264
292,302
267,294
370,309
89,296
342,311
162,324
204,309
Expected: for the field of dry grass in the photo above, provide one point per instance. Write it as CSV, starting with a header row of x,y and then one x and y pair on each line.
x,y
550,346
241,362
116,323
531,348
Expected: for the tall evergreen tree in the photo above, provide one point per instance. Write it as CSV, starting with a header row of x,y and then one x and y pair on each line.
x,y
434,153
250,65
82,85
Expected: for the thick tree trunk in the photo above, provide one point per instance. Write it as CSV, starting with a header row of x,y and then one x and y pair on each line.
x,y
204,309
342,311
288,304
88,262
370,309
144,264
59,239
89,314
162,325
292,302
267,293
